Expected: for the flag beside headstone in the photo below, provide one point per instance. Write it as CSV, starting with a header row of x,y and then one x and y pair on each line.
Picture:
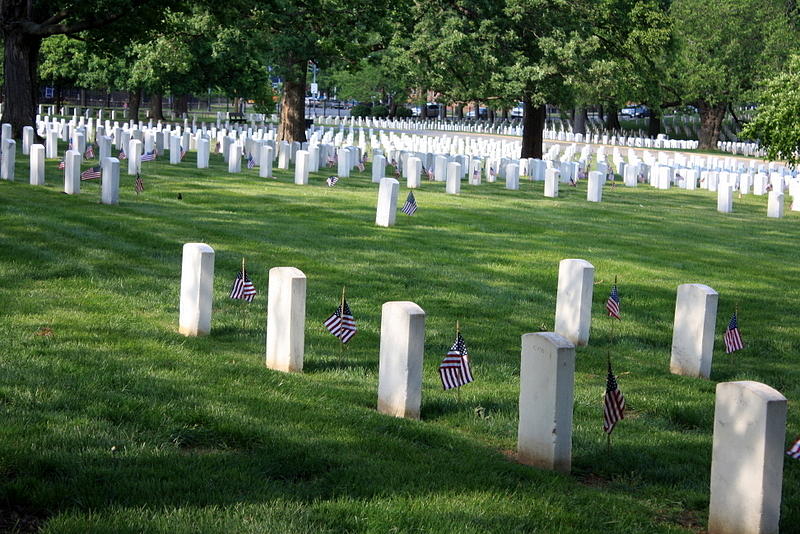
x,y
732,338
794,450
92,173
411,204
341,325
454,369
613,403
243,288
612,304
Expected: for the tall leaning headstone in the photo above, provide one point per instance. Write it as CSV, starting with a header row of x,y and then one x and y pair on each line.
x,y
547,380
401,353
747,459
693,330
574,300
286,319
197,289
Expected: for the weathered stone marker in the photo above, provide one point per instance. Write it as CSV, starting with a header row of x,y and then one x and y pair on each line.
x,y
413,172
693,330
378,168
574,300
547,379
775,204
401,353
747,459
387,202
197,289
286,319
203,152
234,158
134,154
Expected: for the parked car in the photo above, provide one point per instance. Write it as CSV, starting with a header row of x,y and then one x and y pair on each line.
x,y
635,112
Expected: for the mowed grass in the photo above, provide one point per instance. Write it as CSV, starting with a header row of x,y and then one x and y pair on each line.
x,y
112,422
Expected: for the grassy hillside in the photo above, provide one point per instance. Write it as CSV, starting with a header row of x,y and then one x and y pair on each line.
x,y
112,422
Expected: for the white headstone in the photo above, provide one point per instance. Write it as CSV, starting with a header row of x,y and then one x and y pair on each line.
x,y
72,172
109,187
387,202
693,330
440,168
37,164
284,155
343,160
286,319
413,172
27,139
724,198
378,168
594,192
574,300
203,153
8,160
197,289
51,147
234,158
302,160
551,177
134,155
453,186
401,353
546,384
267,158
512,176
747,459
775,204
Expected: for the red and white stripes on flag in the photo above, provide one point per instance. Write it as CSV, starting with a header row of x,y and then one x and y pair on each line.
x,y
92,173
794,450
613,403
243,288
732,338
454,369
341,325
612,304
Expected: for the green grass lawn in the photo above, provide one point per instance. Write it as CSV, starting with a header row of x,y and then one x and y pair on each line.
x,y
112,422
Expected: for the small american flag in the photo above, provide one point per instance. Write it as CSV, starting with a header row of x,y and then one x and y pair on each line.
x,y
411,204
613,403
251,161
733,341
360,166
612,304
216,147
61,165
183,153
492,172
454,369
92,173
341,326
139,184
150,156
429,173
769,186
122,155
794,450
243,288
331,181
89,154
477,172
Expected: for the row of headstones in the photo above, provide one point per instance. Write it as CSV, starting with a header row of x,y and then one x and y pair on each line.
x,y
560,134
749,418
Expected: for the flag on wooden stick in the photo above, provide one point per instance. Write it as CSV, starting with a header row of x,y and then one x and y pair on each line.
x,y
139,184
411,204
92,173
243,288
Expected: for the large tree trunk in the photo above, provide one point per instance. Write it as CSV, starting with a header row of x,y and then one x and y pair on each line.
x,y
612,119
710,123
654,124
293,107
180,105
490,115
579,121
21,88
459,111
600,114
157,107
108,98
82,96
134,103
532,128
505,113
